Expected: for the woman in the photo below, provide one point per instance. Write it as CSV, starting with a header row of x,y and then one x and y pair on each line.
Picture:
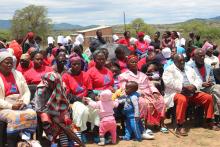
x,y
84,61
167,41
14,99
76,81
51,103
151,102
59,67
100,76
141,44
156,42
25,63
121,59
33,75
78,86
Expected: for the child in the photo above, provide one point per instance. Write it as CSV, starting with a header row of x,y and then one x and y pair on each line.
x,y
107,120
131,111
116,72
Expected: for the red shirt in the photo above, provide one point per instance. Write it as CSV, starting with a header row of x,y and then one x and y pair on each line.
x,y
142,46
101,79
77,85
141,63
91,64
33,76
202,72
9,84
47,61
123,65
124,41
24,70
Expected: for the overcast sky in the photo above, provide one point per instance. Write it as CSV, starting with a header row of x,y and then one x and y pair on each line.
x,y
110,12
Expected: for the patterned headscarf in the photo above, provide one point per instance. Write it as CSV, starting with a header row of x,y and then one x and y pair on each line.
x,y
57,101
74,57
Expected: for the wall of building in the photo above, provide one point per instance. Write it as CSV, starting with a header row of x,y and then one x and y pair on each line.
x,y
106,33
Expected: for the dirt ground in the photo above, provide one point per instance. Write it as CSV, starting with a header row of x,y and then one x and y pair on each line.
x,y
198,137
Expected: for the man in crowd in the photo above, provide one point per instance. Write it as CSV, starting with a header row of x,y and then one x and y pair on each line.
x,y
182,87
205,72
97,42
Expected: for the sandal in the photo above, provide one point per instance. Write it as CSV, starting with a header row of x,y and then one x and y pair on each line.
x,y
181,131
164,130
213,127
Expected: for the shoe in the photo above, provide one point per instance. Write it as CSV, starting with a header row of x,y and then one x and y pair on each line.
x,y
181,131
147,136
164,130
102,142
213,126
54,145
96,139
148,131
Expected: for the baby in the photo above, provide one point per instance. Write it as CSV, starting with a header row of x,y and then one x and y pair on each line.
x,y
107,120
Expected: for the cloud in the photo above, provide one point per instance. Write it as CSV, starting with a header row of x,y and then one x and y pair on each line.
x,y
87,12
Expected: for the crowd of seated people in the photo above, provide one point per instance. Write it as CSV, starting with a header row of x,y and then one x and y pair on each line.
x,y
65,95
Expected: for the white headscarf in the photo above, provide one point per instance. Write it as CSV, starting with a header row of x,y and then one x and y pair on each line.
x,y
4,55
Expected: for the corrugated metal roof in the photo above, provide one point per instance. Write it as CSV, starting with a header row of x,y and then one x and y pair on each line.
x,y
93,29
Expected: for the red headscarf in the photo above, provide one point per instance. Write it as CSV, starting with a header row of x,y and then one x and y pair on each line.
x,y
140,34
132,57
30,35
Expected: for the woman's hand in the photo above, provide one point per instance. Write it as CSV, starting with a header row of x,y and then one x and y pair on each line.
x,y
156,96
23,105
16,106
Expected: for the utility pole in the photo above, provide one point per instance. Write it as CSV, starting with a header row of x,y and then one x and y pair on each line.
x,y
124,23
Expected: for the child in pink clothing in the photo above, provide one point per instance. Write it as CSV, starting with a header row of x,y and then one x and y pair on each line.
x,y
107,120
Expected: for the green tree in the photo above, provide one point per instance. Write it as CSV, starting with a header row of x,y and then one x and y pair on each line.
x,y
138,25
31,18
202,28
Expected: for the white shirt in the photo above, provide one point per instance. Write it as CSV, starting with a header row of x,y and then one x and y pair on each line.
x,y
212,60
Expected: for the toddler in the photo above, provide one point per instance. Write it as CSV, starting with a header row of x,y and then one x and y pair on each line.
x,y
107,120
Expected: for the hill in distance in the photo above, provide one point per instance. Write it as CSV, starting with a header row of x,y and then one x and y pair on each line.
x,y
6,24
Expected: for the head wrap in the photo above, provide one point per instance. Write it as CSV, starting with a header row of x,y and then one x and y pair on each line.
x,y
30,35
133,40
166,52
151,48
147,39
132,57
140,34
50,40
11,51
60,39
207,46
106,95
25,57
57,101
115,37
74,57
4,55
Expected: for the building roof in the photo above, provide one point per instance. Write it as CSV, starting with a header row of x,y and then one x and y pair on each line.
x,y
93,29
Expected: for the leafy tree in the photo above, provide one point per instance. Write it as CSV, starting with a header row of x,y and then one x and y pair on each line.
x,y
31,18
4,34
202,28
138,25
